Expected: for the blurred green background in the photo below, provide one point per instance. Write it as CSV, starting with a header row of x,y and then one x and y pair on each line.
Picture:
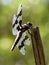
x,y
36,11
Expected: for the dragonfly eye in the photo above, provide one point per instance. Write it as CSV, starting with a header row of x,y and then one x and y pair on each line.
x,y
29,24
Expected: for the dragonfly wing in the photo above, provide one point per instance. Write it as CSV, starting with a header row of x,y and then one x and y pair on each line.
x,y
19,42
17,21
19,14
22,50
27,42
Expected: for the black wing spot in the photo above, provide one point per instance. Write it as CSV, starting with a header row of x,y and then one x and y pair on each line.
x,y
15,23
21,46
18,28
20,22
22,43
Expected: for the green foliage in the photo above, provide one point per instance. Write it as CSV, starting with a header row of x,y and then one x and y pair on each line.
x,y
35,11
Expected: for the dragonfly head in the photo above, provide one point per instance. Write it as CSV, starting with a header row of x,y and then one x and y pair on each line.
x,y
29,24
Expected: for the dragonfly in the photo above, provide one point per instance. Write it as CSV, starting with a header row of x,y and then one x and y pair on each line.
x,y
19,30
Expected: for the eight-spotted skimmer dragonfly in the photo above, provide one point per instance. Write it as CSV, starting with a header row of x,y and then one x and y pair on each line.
x,y
19,31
